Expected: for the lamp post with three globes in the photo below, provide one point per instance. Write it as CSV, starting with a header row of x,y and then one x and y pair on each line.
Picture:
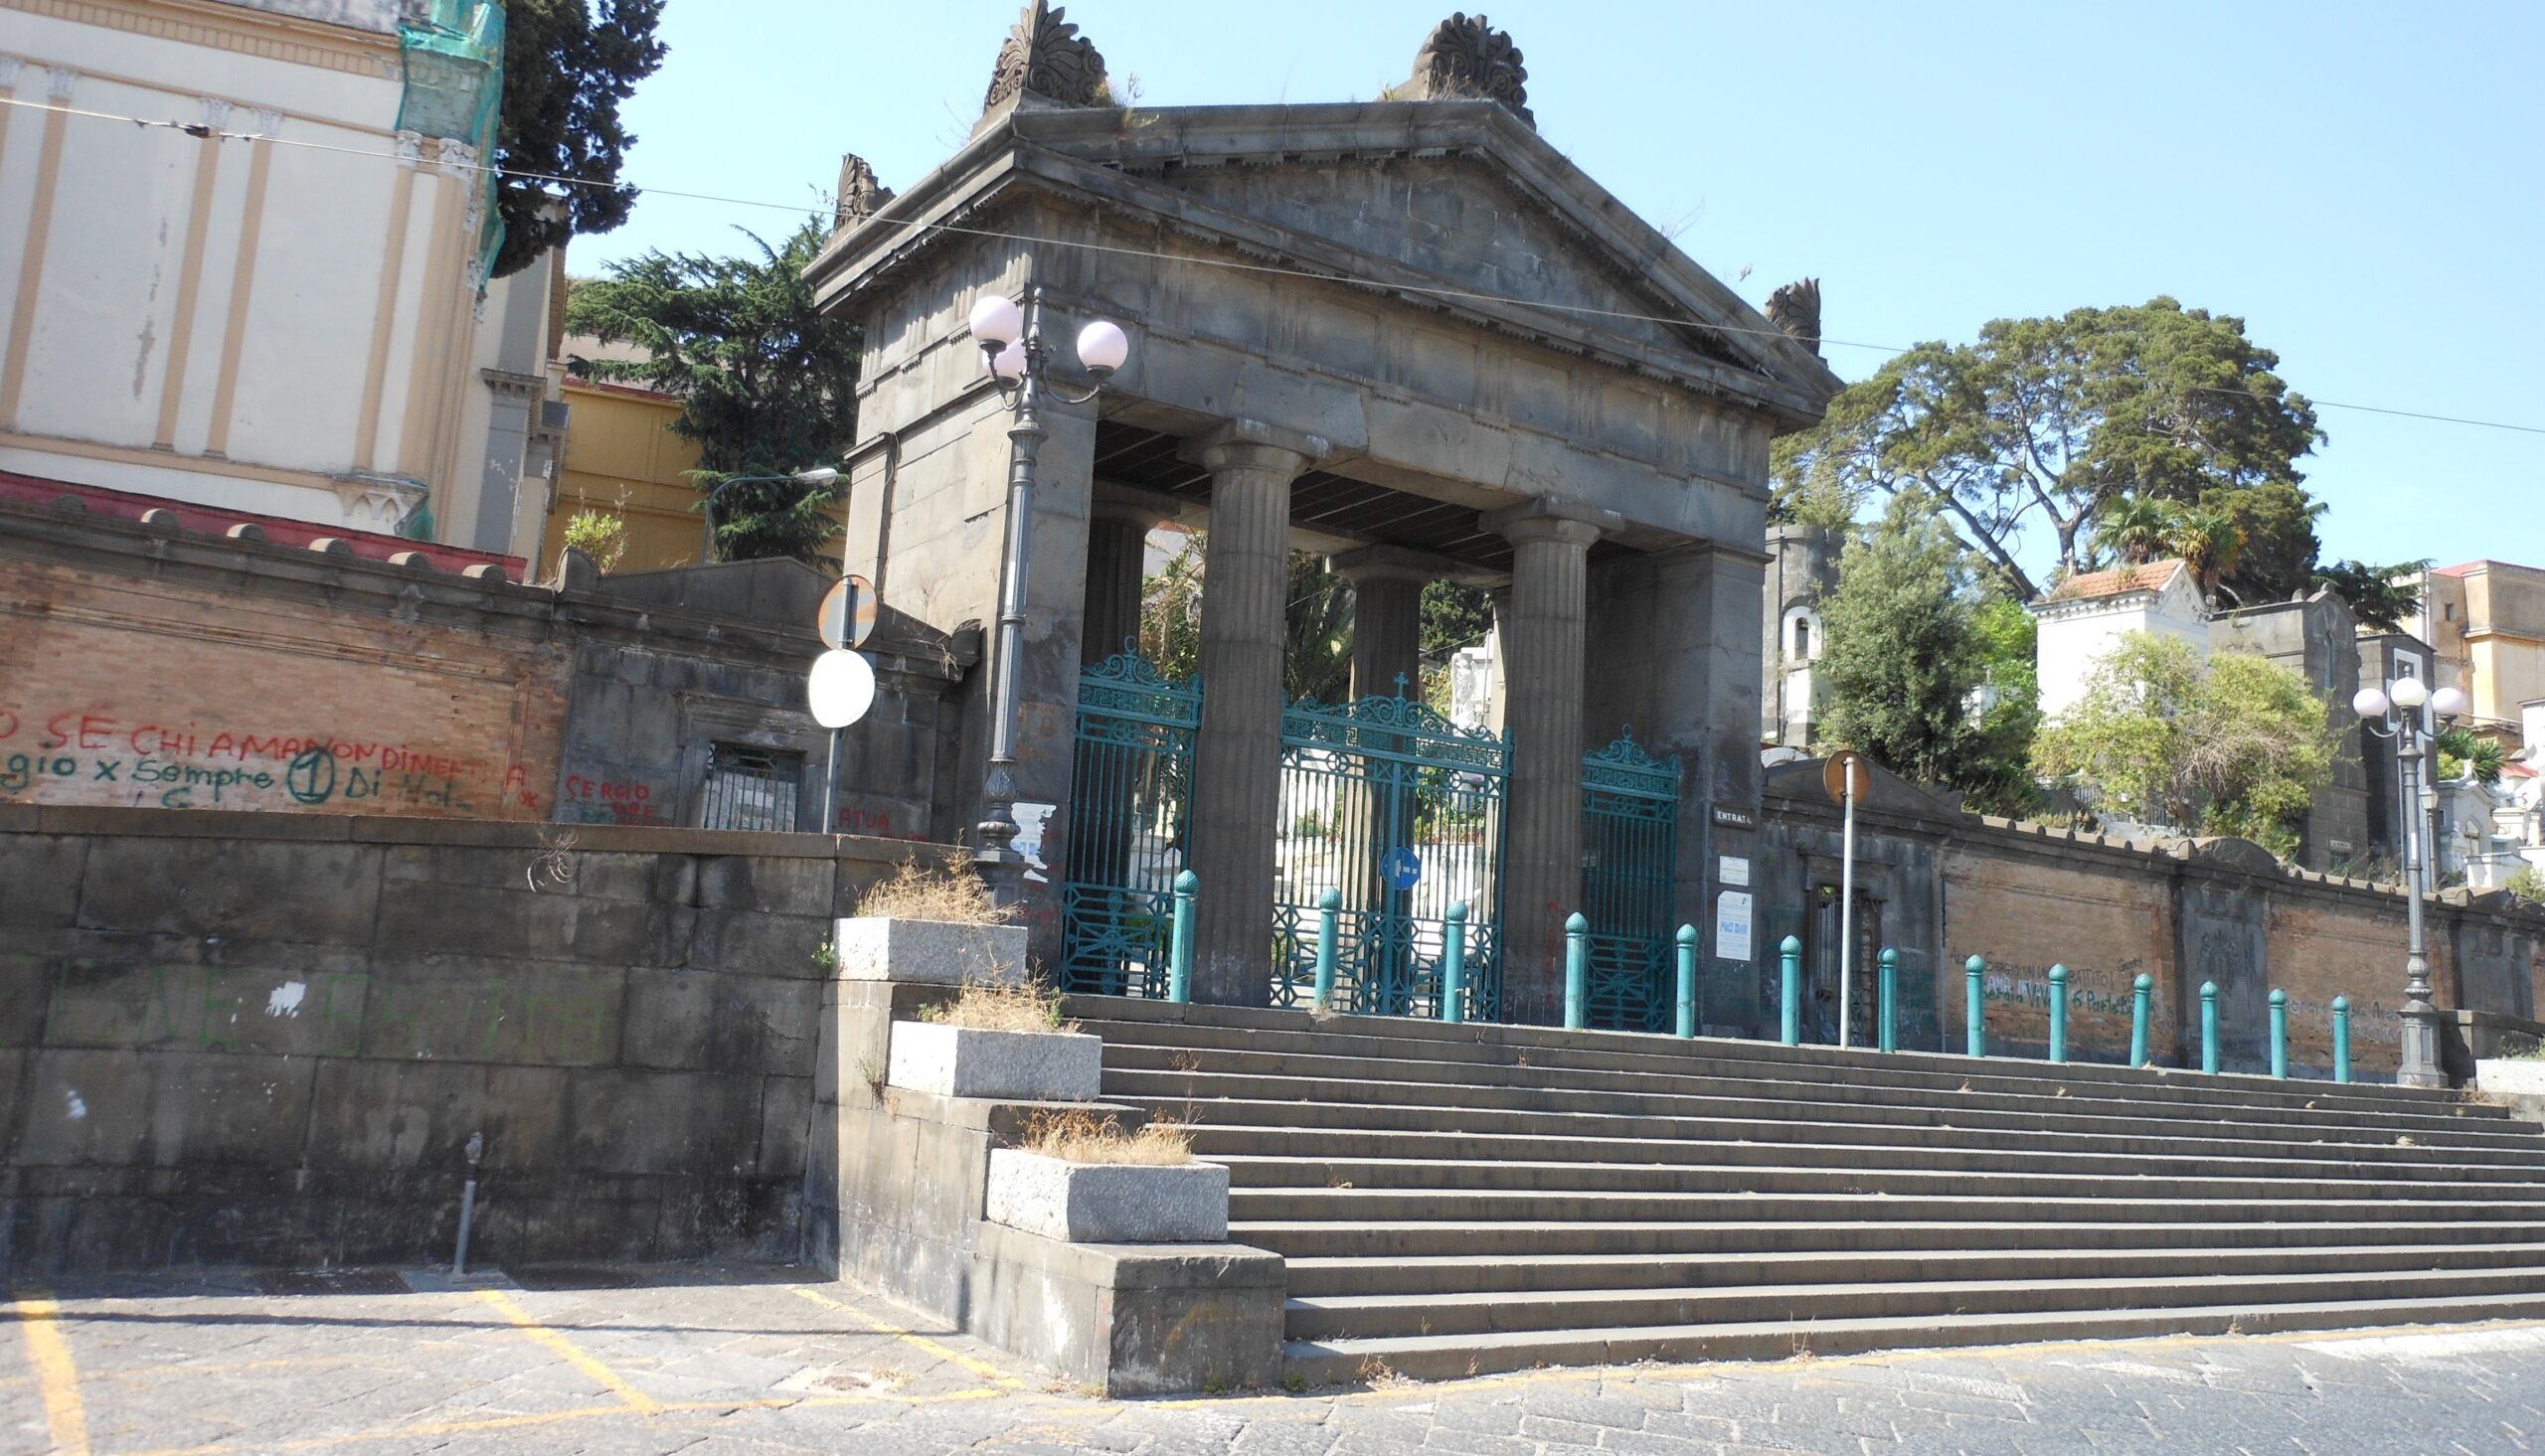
x,y
2405,714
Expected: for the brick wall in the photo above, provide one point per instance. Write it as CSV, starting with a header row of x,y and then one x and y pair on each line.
x,y
177,689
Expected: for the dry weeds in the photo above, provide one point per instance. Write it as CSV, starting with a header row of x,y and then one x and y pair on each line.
x,y
987,1006
1375,1373
1076,1135
948,893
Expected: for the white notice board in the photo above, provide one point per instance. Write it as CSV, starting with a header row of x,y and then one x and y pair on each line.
x,y
1732,925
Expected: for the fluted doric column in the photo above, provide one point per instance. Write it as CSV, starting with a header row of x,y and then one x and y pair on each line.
x,y
1236,782
1543,636
1118,535
1387,616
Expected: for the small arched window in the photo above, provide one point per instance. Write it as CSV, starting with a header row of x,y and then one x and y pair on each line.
x,y
1803,637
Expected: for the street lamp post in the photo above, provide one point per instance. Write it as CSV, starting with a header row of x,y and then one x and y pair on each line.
x,y
2401,714
1018,360
820,475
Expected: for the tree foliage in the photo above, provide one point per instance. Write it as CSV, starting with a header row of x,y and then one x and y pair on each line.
x,y
767,381
565,69
1316,623
2381,598
1908,645
2237,745
1454,615
2052,419
2463,753
1171,612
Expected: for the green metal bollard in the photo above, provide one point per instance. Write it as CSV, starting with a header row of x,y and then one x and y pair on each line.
x,y
2208,1026
2058,1013
1890,1012
1329,908
1179,954
1576,973
1453,965
1974,1013
2341,1039
2143,998
2280,1034
1791,953
1687,980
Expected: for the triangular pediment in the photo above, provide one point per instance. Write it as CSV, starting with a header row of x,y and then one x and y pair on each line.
x,y
1452,206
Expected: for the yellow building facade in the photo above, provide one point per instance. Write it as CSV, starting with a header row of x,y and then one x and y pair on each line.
x,y
622,460
2487,622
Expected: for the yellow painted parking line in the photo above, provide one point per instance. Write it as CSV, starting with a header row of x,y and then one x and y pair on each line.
x,y
554,1418
981,1367
40,1319
609,1379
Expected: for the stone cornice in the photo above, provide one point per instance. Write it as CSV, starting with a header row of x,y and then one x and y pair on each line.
x,y
231,28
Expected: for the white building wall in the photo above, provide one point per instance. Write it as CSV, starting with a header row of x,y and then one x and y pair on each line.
x,y
237,323
2073,636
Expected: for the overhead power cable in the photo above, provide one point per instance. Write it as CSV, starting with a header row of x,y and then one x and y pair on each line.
x,y
207,132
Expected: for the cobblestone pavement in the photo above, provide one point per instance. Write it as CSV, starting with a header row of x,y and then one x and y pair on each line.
x,y
754,1362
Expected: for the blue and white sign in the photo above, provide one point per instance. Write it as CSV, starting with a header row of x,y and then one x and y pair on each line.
x,y
1403,867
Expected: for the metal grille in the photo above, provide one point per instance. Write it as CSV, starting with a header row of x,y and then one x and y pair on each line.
x,y
749,787
1821,970
1383,785
1629,873
1131,788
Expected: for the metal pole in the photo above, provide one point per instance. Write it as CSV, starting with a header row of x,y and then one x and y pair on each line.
x,y
2058,1013
2143,996
1576,972
1791,953
1974,1013
1179,952
1847,913
1329,908
1453,965
1890,1030
2280,1034
467,1205
2341,1039
830,788
1687,1026
997,829
2417,1061
2208,1026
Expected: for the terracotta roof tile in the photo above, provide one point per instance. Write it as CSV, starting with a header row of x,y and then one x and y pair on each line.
x,y
2093,586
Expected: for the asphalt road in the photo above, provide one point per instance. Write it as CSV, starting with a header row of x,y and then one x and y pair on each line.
x,y
732,1362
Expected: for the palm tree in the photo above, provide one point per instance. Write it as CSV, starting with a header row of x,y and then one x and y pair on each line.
x,y
2139,528
2209,541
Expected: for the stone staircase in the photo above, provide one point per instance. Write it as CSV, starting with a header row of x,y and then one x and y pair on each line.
x,y
1464,1200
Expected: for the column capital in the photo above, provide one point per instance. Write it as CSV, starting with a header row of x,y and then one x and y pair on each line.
x,y
1391,564
1550,519
1239,445
1131,506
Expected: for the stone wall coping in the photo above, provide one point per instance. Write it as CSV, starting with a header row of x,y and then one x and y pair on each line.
x,y
409,593
2159,860
385,829
1139,1266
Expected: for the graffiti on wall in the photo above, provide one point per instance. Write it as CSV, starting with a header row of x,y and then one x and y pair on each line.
x,y
92,756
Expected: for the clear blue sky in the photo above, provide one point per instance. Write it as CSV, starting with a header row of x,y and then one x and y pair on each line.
x,y
2364,184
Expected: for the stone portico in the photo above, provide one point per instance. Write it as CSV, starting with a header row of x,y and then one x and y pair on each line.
x,y
1406,334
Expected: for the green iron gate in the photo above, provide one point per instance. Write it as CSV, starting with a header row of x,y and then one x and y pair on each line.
x,y
1629,872
1131,797
1400,810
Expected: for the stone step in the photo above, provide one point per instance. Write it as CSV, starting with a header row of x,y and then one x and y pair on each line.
x,y
1222,1140
1397,1316
1127,1022
1461,1177
1425,1277
1997,1096
1382,1085
1416,1239
1441,1358
1278,1204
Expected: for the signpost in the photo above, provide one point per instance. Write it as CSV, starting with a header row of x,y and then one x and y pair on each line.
x,y
846,617
1846,779
1403,867
839,691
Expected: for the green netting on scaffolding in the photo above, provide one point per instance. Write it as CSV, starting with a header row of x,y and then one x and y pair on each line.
x,y
452,56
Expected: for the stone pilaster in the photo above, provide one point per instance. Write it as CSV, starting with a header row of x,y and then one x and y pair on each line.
x,y
1542,852
1236,782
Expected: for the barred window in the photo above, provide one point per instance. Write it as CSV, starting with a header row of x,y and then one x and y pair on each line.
x,y
749,787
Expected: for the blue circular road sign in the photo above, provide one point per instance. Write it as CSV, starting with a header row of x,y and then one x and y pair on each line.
x,y
1403,867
